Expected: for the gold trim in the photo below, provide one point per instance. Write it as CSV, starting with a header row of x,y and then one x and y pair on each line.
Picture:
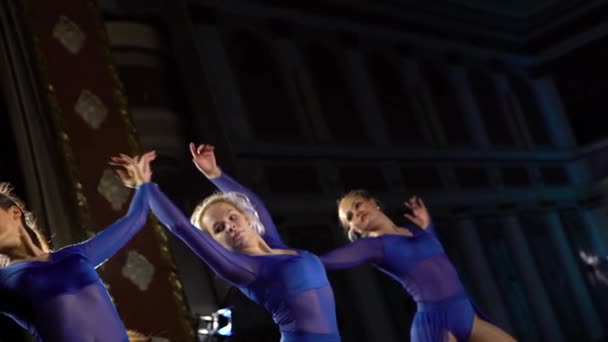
x,y
64,141
161,235
63,138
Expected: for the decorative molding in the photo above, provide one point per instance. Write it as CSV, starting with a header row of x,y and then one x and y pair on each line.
x,y
138,270
64,142
68,150
161,235
91,109
69,34
112,189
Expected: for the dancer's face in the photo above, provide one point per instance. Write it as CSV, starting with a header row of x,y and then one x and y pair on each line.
x,y
229,226
10,224
359,213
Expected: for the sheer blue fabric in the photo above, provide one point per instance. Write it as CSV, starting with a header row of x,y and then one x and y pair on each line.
x,y
64,299
293,288
420,265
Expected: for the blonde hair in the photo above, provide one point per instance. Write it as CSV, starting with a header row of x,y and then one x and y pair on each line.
x,y
9,199
135,336
353,235
239,201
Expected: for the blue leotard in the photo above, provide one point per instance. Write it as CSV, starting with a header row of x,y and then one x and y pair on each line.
x,y
64,299
293,288
420,265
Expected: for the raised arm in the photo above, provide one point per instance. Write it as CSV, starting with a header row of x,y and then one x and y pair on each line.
x,y
203,157
135,173
236,268
111,239
271,235
594,265
601,277
419,216
361,251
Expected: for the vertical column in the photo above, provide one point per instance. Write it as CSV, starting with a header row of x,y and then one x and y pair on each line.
x,y
220,77
372,115
204,96
541,305
410,73
553,112
512,107
469,106
88,106
558,126
361,86
592,227
137,51
482,273
426,105
579,290
301,90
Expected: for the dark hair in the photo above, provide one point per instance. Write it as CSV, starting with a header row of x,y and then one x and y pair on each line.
x,y
9,199
352,235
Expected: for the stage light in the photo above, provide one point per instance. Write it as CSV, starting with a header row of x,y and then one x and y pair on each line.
x,y
215,324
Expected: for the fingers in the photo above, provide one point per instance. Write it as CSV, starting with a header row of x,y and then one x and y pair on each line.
x,y
205,148
125,177
414,202
420,202
200,149
128,164
119,164
127,159
133,170
137,159
411,203
122,174
193,149
146,159
410,217
145,164
117,161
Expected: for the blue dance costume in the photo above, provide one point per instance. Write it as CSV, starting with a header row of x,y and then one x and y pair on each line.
x,y
293,288
420,265
64,299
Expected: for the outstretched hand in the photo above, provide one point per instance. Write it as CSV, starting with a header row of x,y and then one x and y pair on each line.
x,y
420,215
589,259
203,156
134,171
